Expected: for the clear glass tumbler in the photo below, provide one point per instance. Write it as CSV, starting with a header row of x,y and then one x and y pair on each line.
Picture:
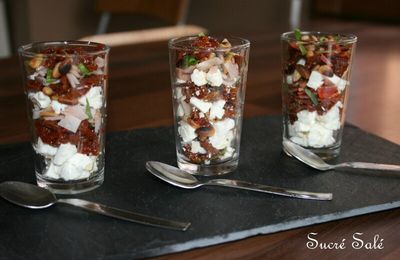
x,y
208,77
66,92
316,78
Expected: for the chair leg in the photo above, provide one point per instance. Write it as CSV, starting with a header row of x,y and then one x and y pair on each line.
x,y
295,14
103,23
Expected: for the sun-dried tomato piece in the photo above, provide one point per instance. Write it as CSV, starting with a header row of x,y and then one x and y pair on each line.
x,y
327,92
196,121
33,85
204,42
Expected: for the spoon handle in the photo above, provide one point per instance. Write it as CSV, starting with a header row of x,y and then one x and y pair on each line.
x,y
126,215
371,166
269,189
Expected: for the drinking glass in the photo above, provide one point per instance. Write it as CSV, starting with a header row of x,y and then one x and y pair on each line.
x,y
315,83
65,84
208,78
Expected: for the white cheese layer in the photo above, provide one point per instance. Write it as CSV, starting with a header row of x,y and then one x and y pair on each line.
x,y
311,129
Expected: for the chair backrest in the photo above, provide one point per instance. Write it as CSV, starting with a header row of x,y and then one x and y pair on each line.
x,y
143,36
173,11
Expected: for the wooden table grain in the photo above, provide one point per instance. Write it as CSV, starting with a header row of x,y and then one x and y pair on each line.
x,y
140,96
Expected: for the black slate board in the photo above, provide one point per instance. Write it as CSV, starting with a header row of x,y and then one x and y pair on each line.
x,y
217,214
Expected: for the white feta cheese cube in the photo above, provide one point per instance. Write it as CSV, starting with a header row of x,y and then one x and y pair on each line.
x,y
305,120
301,140
82,162
331,119
178,93
198,77
64,152
319,136
301,62
223,133
100,62
57,106
197,148
214,77
45,149
53,171
339,82
217,109
203,106
94,96
186,131
40,99
70,172
289,79
228,153
183,109
316,80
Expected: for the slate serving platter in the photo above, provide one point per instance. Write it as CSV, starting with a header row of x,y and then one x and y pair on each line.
x,y
217,214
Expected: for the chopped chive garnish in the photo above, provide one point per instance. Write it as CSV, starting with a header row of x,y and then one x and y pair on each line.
x,y
302,49
189,61
83,69
297,34
311,96
48,76
201,34
88,111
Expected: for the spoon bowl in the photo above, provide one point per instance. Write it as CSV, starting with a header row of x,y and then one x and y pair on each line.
x,y
182,179
314,161
27,195
34,197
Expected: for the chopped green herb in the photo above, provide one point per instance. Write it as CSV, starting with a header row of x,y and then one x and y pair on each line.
x,y
297,34
83,69
88,111
189,61
49,79
222,152
302,49
312,96
201,34
336,38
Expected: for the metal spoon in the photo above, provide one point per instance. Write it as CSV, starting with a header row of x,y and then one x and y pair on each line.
x,y
34,197
182,179
314,161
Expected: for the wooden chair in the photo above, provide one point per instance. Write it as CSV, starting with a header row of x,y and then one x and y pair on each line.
x,y
148,35
171,11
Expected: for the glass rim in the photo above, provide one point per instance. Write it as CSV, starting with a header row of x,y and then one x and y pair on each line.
x,y
344,37
26,49
174,43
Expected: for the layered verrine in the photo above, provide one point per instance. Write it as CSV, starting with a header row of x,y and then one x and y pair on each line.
x,y
208,76
316,77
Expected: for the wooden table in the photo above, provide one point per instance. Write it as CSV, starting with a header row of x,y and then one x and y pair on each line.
x,y
139,96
